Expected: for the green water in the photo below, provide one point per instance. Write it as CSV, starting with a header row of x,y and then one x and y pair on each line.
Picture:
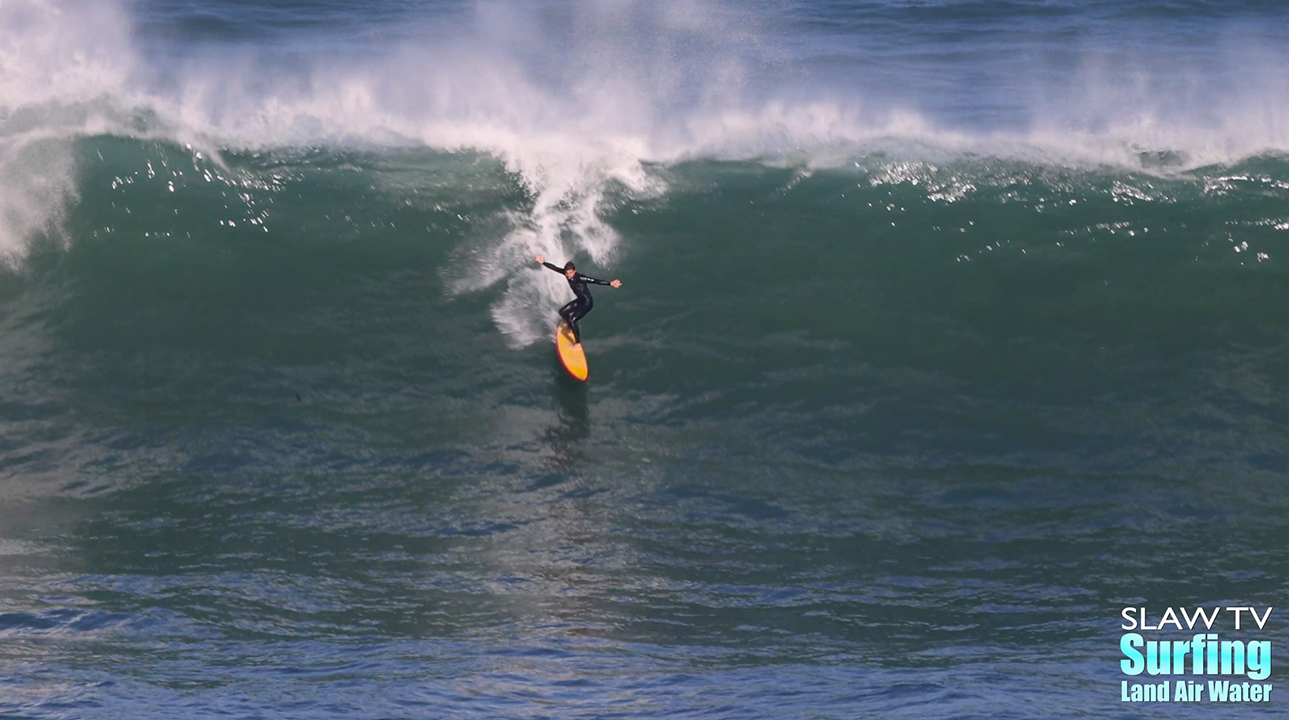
x,y
823,462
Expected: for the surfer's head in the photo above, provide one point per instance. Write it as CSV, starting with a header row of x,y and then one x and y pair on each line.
x,y
570,269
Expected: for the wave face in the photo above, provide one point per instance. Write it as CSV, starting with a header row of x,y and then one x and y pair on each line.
x,y
947,329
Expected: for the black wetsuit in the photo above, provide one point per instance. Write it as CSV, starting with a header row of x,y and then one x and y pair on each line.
x,y
580,305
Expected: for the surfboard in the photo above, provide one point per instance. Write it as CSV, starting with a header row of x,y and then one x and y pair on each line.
x,y
574,361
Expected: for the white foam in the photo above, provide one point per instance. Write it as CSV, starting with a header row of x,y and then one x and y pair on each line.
x,y
58,61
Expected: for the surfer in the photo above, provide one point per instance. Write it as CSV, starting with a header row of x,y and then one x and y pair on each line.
x,y
582,303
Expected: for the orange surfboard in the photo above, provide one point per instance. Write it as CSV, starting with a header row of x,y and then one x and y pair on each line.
x,y
574,361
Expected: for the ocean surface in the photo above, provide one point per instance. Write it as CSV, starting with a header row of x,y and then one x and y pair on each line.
x,y
948,329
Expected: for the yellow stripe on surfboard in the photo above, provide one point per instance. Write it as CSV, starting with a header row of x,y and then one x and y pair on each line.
x,y
574,361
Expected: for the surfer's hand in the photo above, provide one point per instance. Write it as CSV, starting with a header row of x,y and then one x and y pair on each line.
x,y
540,259
616,283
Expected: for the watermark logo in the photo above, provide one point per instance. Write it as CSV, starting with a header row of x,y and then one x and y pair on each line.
x,y
1199,664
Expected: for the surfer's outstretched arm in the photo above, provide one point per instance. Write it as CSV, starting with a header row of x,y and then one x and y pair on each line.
x,y
577,276
596,281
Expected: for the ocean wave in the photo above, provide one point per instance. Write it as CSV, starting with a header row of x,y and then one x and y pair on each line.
x,y
574,99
